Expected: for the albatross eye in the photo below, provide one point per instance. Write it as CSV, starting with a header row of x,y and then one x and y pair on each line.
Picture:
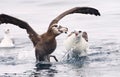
x,y
55,25
79,31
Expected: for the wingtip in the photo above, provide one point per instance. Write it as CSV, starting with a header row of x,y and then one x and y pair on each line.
x,y
97,11
98,14
89,10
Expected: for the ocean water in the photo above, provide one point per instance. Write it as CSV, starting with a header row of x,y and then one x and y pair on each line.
x,y
103,58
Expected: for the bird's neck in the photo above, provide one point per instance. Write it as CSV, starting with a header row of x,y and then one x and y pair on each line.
x,y
51,33
48,36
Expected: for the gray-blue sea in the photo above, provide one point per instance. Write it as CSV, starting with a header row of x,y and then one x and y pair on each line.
x,y
103,58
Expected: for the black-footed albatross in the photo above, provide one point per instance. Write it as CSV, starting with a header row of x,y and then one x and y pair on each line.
x,y
45,43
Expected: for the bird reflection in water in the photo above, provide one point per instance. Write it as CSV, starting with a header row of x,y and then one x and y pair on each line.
x,y
44,69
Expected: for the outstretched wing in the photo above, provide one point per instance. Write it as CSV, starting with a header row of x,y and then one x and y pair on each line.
x,y
12,20
85,36
83,10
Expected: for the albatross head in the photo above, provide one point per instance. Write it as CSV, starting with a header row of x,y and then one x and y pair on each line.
x,y
75,34
58,29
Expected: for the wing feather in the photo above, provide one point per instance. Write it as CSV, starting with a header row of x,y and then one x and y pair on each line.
x,y
12,20
85,36
82,10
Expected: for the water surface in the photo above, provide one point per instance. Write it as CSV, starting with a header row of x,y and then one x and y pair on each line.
x,y
103,58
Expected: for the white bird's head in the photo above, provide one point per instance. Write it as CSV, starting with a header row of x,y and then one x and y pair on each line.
x,y
77,35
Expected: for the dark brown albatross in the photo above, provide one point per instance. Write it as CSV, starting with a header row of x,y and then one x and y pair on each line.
x,y
45,43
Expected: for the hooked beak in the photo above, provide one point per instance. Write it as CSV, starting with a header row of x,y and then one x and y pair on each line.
x,y
76,34
63,29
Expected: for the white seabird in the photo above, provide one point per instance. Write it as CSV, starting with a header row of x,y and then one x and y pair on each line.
x,y
7,40
77,43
